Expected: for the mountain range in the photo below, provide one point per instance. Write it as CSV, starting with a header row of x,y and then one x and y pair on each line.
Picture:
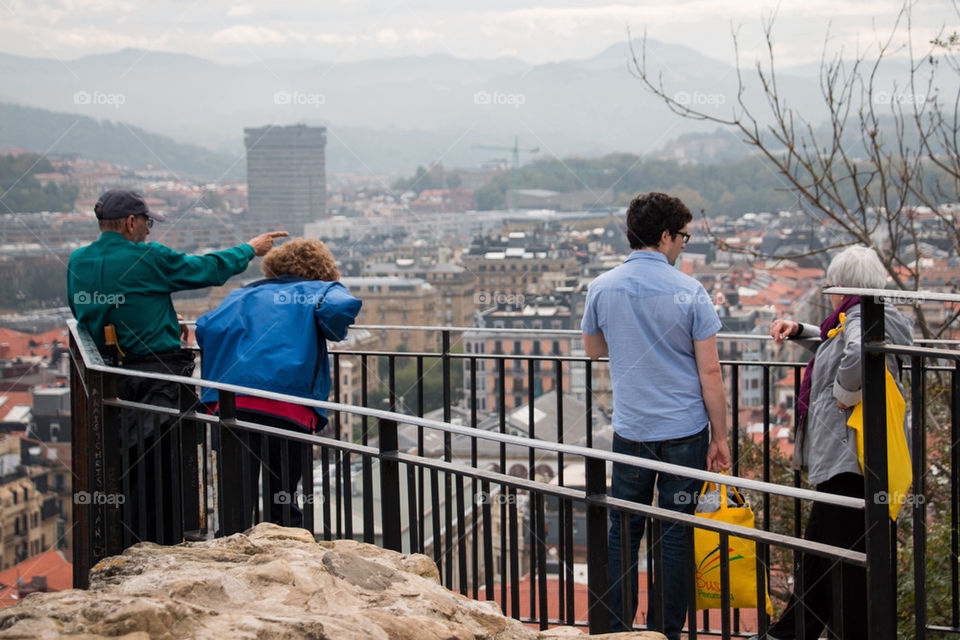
x,y
383,116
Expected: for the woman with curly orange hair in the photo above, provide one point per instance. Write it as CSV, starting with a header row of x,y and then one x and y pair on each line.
x,y
272,335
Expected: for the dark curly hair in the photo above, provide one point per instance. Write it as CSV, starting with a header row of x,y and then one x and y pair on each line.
x,y
650,214
310,259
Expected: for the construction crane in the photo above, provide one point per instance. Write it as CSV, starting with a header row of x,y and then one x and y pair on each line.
x,y
515,149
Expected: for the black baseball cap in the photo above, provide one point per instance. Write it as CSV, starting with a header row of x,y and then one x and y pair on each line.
x,y
118,203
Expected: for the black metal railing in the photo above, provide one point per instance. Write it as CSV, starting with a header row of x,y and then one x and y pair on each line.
x,y
444,488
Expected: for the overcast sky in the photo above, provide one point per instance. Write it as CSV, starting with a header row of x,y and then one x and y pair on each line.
x,y
543,31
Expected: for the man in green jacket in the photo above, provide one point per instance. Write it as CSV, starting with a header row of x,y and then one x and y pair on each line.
x,y
124,281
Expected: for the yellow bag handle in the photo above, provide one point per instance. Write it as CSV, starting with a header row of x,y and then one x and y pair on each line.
x,y
712,486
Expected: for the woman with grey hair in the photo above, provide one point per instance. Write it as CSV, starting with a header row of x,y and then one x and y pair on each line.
x,y
827,448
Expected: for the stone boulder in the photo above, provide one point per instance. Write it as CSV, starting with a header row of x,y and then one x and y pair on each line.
x,y
269,583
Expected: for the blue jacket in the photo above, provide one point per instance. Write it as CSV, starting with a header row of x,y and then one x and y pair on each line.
x,y
272,335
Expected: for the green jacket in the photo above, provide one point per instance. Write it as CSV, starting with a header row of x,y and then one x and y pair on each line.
x,y
115,281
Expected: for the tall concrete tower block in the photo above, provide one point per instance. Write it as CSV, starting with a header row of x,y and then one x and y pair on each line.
x,y
286,176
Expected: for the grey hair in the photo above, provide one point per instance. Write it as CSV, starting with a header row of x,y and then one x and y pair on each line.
x,y
857,266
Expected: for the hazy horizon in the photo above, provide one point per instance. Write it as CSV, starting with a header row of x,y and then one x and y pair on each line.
x,y
535,33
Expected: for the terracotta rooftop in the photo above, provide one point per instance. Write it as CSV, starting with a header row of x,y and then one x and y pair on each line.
x,y
50,564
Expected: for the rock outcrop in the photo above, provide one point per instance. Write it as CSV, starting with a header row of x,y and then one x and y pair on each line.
x,y
269,583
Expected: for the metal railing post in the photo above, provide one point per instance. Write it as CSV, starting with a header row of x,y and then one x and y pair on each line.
x,y
231,501
881,583
390,486
597,583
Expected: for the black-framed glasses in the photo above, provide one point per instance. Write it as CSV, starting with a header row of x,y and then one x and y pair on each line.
x,y
147,221
685,236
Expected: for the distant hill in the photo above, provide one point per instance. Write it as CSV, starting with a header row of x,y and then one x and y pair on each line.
x,y
44,131
386,115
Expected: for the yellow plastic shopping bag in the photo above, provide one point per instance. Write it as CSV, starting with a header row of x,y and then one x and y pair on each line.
x,y
742,553
899,467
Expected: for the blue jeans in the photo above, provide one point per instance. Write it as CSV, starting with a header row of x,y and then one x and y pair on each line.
x,y
675,493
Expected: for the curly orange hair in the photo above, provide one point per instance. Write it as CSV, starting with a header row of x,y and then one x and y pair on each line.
x,y
310,259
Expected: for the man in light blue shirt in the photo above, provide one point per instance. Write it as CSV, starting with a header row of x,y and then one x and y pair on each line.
x,y
659,328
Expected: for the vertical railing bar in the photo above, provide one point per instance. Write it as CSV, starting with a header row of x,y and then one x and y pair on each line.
x,y
266,510
337,457
761,588
881,583
539,508
724,586
502,422
309,501
691,585
531,465
656,526
461,534
488,568
325,490
764,550
366,464
561,512
799,588
475,484
955,493
447,456
413,510
285,509
735,396
141,531
836,609
597,585
435,520
588,401
919,433
515,550
626,561
421,452
389,485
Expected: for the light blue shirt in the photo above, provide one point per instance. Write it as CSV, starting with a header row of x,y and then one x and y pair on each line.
x,y
650,314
